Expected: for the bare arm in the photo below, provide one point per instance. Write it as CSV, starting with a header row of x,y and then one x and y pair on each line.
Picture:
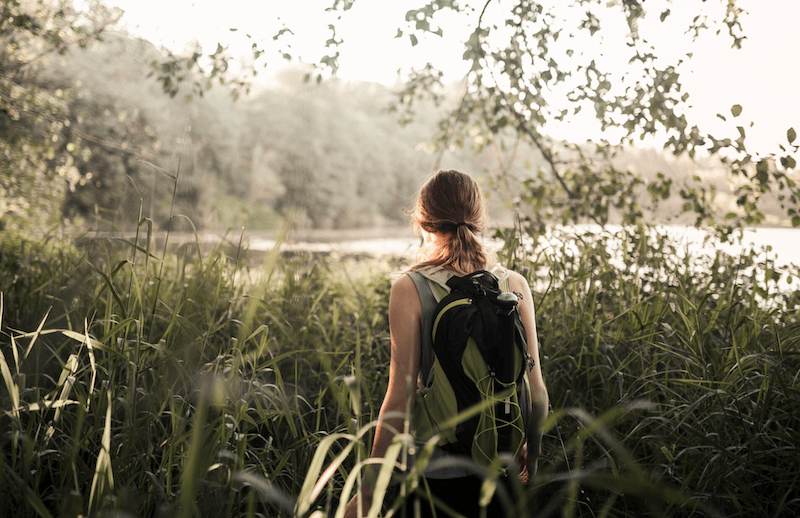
x,y
405,326
405,323
539,397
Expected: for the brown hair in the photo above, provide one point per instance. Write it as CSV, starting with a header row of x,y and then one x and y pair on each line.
x,y
450,204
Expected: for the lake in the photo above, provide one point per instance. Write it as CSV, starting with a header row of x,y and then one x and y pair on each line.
x,y
785,242
402,243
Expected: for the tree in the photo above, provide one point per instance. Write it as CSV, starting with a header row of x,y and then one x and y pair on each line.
x,y
36,164
334,156
537,63
134,139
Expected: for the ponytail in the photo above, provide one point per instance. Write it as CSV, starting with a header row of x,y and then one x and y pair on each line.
x,y
450,205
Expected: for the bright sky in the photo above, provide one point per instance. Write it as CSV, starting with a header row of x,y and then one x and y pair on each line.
x,y
762,76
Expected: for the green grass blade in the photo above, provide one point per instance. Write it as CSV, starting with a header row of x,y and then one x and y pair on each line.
x,y
103,480
312,481
35,334
11,385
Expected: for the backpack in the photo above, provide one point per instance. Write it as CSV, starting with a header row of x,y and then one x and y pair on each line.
x,y
476,394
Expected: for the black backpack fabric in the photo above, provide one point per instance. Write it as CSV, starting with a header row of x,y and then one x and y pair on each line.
x,y
476,395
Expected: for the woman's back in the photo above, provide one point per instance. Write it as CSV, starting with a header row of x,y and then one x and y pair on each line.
x,y
450,214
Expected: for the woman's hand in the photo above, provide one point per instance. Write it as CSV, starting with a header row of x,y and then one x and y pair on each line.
x,y
522,460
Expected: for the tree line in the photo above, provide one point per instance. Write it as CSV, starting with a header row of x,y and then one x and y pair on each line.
x,y
327,153
100,127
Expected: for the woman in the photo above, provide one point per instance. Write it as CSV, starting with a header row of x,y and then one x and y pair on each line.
x,y
450,213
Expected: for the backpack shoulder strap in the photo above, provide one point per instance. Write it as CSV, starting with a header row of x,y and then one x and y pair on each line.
x,y
428,302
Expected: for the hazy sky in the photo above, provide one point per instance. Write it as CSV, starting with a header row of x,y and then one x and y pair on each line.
x,y
763,76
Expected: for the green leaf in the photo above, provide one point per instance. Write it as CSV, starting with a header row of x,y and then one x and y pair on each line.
x,y
791,135
762,172
796,221
413,39
736,110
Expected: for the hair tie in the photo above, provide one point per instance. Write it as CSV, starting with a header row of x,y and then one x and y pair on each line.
x,y
462,224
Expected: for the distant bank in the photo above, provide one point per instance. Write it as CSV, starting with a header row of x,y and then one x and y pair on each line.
x,y
401,241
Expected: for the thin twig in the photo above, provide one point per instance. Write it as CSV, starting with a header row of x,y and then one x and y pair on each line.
x,y
451,131
546,154
480,18
453,125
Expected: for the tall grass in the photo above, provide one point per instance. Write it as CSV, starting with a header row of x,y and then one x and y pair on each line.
x,y
699,355
176,383
157,385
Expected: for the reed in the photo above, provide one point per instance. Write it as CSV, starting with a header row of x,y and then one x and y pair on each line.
x,y
176,383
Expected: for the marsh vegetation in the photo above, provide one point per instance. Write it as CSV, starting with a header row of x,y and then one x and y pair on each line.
x,y
195,385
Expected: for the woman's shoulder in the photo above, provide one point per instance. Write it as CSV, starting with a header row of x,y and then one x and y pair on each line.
x,y
403,286
519,284
516,281
403,299
514,276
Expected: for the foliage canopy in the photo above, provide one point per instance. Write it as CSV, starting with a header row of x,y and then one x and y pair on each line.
x,y
532,65
537,63
36,146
